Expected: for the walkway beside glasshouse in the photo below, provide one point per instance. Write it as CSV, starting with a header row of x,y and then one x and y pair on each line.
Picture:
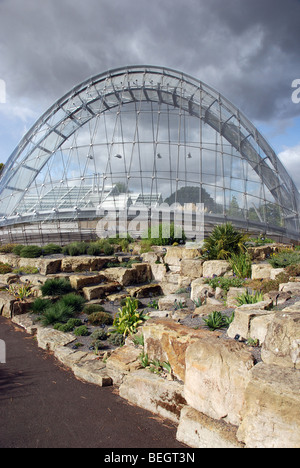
x,y
213,346
42,405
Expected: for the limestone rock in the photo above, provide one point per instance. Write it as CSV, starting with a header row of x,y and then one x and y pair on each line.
x,y
46,266
280,345
26,321
122,361
271,414
97,292
148,290
168,302
293,288
159,271
92,371
232,296
191,268
84,263
175,255
213,268
49,339
261,271
217,374
6,304
153,393
166,340
243,317
197,430
80,281
200,290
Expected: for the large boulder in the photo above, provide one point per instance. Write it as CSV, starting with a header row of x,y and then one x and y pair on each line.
x,y
175,255
271,412
79,282
191,268
200,290
213,268
282,342
153,393
97,292
197,430
217,374
121,362
261,271
6,304
84,263
166,340
244,317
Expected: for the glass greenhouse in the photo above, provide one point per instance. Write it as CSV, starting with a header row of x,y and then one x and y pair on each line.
x,y
143,135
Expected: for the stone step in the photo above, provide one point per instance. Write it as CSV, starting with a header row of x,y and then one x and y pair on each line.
x,y
100,291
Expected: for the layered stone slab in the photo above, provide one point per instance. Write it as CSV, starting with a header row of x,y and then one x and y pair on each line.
x,y
154,393
217,374
197,430
271,413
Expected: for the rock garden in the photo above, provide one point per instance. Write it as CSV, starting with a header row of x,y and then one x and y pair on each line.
x,y
206,336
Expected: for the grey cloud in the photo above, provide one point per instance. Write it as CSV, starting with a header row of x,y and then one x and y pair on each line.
x,y
247,50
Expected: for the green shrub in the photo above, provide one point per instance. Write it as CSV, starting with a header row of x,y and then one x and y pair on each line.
x,y
40,305
165,234
116,339
94,249
74,300
7,248
26,270
69,326
91,308
99,335
57,313
224,282
108,250
31,251
100,318
82,331
5,268
17,249
284,259
224,241
75,249
52,249
56,287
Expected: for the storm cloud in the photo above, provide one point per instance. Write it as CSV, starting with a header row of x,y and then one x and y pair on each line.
x,y
248,50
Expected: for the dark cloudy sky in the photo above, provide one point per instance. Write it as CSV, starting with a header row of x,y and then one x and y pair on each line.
x,y
246,49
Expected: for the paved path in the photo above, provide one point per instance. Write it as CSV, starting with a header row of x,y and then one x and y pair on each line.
x,y
42,405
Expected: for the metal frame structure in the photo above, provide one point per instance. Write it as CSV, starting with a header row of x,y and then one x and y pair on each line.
x,y
145,134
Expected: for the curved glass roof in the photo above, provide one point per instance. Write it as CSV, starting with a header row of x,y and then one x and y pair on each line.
x,y
147,135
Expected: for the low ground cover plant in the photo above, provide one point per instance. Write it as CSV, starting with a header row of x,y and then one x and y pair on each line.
x,y
5,268
284,259
225,282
